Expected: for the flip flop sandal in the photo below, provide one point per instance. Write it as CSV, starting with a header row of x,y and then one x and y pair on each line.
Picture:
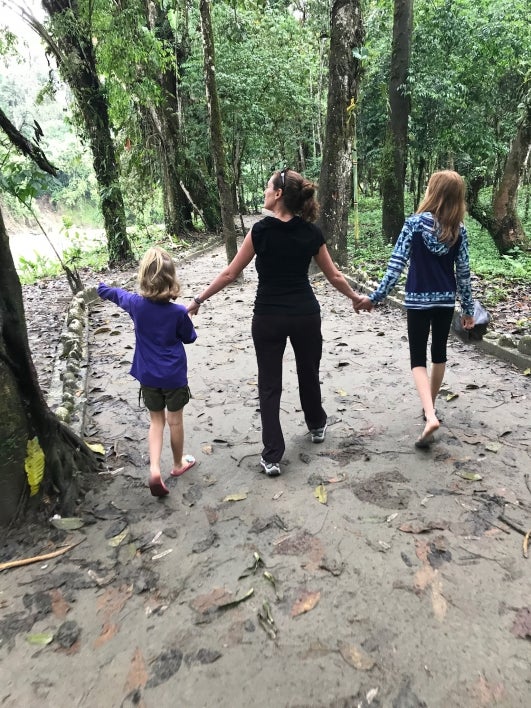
x,y
158,488
190,462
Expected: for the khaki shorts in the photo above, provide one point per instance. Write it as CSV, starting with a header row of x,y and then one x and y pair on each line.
x,y
157,399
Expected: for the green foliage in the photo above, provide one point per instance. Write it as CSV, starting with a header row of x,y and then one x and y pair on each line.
x,y
371,255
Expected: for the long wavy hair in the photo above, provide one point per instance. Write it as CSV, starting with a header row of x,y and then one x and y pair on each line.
x,y
445,199
298,193
157,278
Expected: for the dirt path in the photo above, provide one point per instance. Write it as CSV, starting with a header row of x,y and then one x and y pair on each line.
x,y
404,589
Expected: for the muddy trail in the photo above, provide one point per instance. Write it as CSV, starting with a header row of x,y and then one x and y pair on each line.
x,y
368,573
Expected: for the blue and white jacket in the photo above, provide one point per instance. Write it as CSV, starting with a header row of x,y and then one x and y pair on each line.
x,y
436,271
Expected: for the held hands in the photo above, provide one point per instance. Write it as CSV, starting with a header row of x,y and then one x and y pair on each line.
x,y
193,308
362,303
467,321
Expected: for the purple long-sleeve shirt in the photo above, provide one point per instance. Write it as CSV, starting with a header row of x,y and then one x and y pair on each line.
x,y
161,330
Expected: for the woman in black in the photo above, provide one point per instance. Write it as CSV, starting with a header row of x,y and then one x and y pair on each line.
x,y
285,306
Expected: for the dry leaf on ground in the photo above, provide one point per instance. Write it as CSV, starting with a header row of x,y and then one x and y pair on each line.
x,y
355,657
306,602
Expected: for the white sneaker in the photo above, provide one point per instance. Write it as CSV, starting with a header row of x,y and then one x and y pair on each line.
x,y
272,469
319,434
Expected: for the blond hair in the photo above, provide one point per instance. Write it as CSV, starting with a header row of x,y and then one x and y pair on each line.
x,y
157,278
445,199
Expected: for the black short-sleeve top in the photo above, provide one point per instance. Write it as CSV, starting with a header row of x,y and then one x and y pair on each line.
x,y
284,250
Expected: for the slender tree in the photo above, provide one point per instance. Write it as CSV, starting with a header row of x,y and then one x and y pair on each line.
x,y
395,147
70,42
216,133
335,182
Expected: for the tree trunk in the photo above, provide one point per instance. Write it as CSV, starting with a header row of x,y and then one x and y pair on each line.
x,y
166,118
508,229
335,181
500,219
74,51
216,134
394,158
25,416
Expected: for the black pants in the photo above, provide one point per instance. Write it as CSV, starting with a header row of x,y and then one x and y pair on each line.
x,y
270,334
419,322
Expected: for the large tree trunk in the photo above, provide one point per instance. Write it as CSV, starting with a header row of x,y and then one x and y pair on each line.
x,y
216,134
166,118
508,229
395,148
335,181
501,219
74,52
25,416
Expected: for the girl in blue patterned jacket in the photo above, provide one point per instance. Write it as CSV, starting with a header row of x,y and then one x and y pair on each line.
x,y
434,241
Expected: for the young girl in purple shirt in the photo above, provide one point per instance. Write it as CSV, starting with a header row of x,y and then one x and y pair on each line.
x,y
159,363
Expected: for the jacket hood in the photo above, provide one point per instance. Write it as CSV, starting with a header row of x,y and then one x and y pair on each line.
x,y
432,243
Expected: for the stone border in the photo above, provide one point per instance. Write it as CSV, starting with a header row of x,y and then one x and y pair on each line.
x,y
67,396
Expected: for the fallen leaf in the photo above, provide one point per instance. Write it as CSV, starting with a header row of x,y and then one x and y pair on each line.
x,y
60,606
527,372
213,599
96,447
40,639
236,601
235,497
451,396
69,523
117,540
522,623
493,447
488,693
355,657
137,676
108,632
469,476
306,602
438,601
320,494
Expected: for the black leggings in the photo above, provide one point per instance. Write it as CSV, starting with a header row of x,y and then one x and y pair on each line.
x,y
418,330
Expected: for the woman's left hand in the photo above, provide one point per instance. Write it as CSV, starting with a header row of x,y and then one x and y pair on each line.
x,y
193,308
363,303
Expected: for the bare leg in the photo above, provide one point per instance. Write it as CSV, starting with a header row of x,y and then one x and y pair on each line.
x,y
436,379
155,438
180,463
422,382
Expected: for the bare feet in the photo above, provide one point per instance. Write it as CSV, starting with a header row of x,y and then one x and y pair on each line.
x,y
425,440
157,486
187,462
